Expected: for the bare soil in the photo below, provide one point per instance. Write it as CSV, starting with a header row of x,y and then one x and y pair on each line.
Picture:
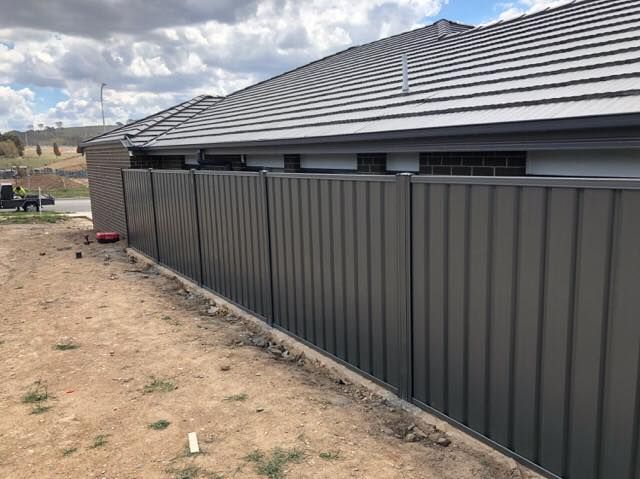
x,y
51,182
117,346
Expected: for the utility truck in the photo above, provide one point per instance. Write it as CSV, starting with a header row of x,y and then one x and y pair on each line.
x,y
31,201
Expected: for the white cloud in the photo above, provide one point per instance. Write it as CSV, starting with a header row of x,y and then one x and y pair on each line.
x,y
149,67
515,9
15,108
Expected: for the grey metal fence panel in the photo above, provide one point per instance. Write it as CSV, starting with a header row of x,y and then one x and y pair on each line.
x,y
522,293
139,211
525,317
176,222
334,261
619,441
233,222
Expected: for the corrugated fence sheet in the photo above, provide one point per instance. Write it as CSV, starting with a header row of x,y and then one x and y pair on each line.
x,y
334,266
233,222
507,305
177,222
525,324
141,224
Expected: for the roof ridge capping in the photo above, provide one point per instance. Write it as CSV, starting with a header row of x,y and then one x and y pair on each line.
x,y
447,27
179,108
196,101
443,26
123,130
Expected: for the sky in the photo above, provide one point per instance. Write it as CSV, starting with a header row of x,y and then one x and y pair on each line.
x,y
55,54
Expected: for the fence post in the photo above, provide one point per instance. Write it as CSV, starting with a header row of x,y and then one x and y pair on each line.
x,y
197,205
404,296
268,287
155,218
126,206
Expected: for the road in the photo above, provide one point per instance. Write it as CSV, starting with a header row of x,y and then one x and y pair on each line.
x,y
71,205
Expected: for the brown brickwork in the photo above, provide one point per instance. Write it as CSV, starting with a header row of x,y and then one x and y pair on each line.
x,y
474,163
170,162
104,164
237,164
220,162
372,163
291,163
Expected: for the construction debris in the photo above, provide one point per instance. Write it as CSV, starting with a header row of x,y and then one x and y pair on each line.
x,y
194,448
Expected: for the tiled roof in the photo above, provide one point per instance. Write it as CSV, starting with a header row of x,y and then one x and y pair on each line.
x,y
141,131
574,61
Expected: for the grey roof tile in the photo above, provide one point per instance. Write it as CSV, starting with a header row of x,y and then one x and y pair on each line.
x,y
578,60
142,131
581,59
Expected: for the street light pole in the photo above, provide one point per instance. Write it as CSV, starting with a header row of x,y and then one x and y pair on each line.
x,y
104,126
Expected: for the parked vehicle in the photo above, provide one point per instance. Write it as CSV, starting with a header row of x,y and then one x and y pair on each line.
x,y
31,202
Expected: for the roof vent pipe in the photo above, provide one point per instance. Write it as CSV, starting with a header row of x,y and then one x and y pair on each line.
x,y
405,74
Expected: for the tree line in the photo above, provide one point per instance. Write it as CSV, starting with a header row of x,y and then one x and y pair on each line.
x,y
69,136
11,145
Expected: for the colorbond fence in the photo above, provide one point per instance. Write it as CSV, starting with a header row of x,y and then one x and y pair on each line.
x,y
509,306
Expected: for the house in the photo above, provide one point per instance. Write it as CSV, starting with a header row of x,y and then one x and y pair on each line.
x,y
553,93
111,152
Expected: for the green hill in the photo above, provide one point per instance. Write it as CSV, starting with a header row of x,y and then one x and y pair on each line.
x,y
70,136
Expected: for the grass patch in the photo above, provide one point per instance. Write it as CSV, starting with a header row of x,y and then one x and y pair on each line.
x,y
186,451
67,451
32,160
255,456
273,465
77,192
189,472
36,393
99,441
237,397
330,455
171,321
159,385
66,346
159,425
21,218
39,409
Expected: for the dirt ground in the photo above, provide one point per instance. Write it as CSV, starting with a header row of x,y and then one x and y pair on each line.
x,y
116,347
51,182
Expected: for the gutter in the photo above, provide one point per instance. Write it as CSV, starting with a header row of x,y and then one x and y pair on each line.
x,y
606,131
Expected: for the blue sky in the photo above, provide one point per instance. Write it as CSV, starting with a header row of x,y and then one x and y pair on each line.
x,y
52,64
45,97
472,11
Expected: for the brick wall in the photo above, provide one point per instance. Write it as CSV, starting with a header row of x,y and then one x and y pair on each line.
x,y
104,164
172,162
291,163
237,164
481,163
220,162
372,162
